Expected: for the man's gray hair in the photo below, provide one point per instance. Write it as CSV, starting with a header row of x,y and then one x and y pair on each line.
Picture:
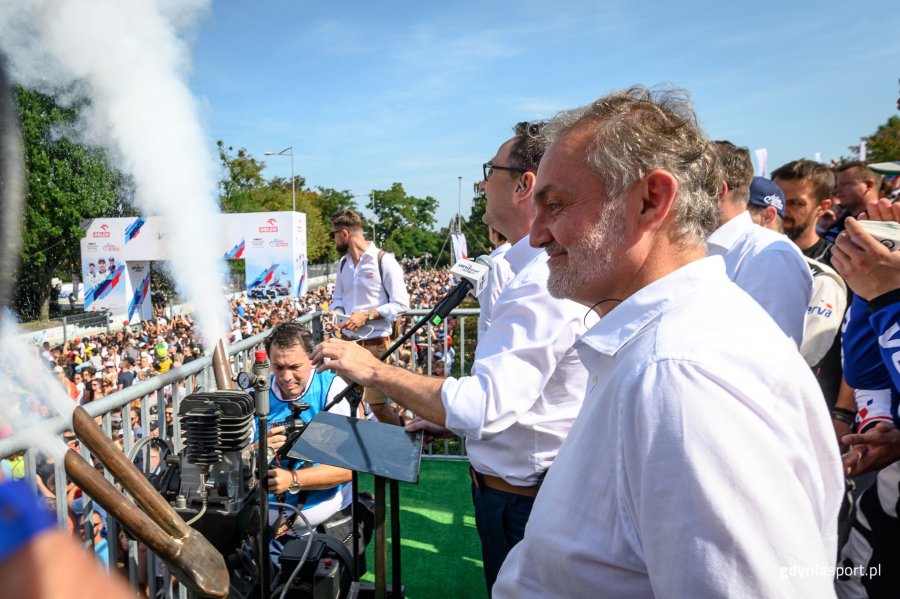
x,y
638,130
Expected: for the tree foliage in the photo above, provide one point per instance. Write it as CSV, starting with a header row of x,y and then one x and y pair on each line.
x,y
403,223
67,183
884,144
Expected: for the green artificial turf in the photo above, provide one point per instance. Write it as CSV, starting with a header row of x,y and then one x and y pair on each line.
x,y
439,548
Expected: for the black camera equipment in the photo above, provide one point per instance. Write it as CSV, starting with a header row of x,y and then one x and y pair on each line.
x,y
293,427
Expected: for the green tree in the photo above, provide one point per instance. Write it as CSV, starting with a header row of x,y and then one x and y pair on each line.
x,y
881,146
242,181
330,201
67,183
884,144
404,222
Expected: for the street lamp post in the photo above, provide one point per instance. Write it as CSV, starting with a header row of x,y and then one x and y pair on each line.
x,y
374,214
288,151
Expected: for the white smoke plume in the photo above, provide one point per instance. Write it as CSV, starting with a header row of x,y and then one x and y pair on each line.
x,y
29,394
131,60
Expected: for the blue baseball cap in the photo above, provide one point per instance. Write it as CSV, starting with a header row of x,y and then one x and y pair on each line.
x,y
764,192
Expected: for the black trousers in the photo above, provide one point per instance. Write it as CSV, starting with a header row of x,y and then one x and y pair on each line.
x,y
500,518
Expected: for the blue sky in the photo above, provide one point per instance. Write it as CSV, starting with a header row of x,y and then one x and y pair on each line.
x,y
423,93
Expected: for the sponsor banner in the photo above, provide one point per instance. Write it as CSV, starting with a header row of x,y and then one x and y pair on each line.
x,y
138,292
298,251
103,264
236,252
273,245
147,238
460,248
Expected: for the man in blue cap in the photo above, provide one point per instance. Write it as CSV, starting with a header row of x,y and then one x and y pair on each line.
x,y
762,262
766,204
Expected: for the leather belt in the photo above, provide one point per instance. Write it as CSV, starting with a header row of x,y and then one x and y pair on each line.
x,y
373,341
498,484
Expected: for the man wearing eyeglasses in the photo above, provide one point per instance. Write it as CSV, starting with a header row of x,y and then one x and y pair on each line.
x,y
526,384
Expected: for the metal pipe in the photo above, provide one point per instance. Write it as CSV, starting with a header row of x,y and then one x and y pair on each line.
x,y
191,557
380,540
221,369
396,582
261,383
124,471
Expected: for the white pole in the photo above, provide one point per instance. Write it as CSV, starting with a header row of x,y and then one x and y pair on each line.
x,y
293,191
459,207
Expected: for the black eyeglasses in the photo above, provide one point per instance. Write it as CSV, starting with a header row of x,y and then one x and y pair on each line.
x,y
490,168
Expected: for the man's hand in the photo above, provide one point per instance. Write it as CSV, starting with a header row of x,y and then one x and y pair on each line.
x,y
357,320
872,450
350,360
869,268
432,430
275,437
279,480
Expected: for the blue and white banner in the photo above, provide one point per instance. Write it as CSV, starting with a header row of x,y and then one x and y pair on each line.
x,y
460,249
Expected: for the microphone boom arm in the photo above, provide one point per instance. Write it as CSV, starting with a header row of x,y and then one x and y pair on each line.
x,y
436,316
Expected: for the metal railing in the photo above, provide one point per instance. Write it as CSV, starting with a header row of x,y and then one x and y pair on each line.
x,y
154,397
322,270
74,324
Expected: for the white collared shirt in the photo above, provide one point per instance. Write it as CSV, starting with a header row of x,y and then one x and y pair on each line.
x,y
527,383
359,287
703,463
499,277
768,266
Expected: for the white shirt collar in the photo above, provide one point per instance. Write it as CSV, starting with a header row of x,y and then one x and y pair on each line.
x,y
627,319
500,250
728,234
521,254
371,250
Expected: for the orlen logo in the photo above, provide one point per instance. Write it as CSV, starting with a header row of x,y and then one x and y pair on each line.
x,y
271,228
103,232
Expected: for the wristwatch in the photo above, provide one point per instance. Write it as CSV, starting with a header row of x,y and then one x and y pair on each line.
x,y
373,314
295,486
